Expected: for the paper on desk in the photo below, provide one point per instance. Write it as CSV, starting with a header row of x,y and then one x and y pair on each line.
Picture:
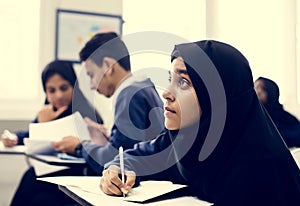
x,y
150,189
99,200
16,149
42,134
146,191
86,183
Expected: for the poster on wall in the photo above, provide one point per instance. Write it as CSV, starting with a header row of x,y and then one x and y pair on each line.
x,y
75,28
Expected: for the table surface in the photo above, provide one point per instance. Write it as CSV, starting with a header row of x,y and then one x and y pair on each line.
x,y
19,149
53,160
87,199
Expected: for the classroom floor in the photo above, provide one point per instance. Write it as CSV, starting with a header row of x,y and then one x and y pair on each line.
x,y
11,170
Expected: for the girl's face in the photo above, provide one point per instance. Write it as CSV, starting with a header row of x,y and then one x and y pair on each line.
x,y
59,91
182,108
261,93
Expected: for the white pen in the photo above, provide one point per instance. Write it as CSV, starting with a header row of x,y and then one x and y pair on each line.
x,y
122,166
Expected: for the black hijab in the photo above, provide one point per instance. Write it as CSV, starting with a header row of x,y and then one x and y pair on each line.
x,y
281,118
79,102
238,156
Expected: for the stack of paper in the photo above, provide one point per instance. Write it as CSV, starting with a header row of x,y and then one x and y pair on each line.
x,y
42,134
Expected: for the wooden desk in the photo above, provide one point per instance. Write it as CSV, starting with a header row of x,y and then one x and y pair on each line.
x,y
87,199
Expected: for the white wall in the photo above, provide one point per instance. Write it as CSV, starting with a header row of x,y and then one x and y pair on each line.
x,y
179,21
265,32
27,109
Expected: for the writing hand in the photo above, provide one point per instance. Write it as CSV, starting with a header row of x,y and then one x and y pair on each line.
x,y
9,139
111,184
47,113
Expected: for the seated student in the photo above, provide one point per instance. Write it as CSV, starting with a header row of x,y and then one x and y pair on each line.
x,y
288,125
220,142
59,84
63,97
138,109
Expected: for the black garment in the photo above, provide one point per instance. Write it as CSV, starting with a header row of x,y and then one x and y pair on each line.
x,y
35,193
287,124
250,164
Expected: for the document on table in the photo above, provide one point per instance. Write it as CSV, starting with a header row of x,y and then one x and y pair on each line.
x,y
146,191
42,134
100,200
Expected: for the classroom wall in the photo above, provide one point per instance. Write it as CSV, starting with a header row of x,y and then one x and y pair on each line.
x,y
265,32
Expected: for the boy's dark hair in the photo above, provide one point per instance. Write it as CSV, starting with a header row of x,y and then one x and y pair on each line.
x,y
106,45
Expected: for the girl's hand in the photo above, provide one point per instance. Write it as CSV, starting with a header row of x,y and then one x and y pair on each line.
x,y
111,184
48,114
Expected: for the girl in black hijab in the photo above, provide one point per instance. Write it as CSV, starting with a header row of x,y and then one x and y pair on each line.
x,y
288,125
63,97
71,98
232,154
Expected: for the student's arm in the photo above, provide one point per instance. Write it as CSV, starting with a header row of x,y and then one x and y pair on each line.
x,y
9,139
130,127
96,155
150,160
291,136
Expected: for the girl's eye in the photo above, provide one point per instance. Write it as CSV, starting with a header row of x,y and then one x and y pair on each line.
x,y
183,83
64,88
51,90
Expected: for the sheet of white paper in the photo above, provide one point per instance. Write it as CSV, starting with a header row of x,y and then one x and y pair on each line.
x,y
86,183
100,200
296,154
41,168
147,190
38,147
57,129
150,189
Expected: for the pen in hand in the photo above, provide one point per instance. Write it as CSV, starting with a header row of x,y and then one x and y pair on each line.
x,y
9,135
122,166
9,139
